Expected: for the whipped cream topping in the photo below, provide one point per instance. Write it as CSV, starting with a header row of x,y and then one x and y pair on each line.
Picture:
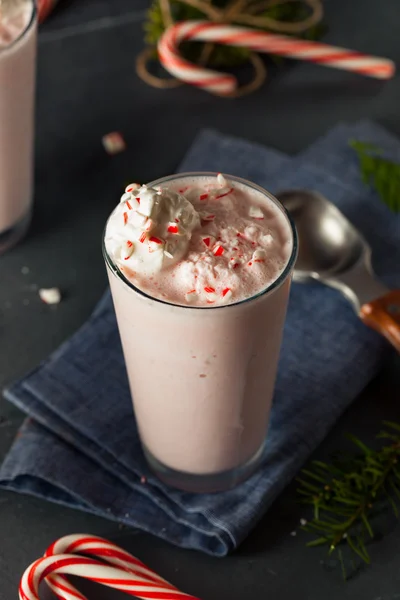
x,y
150,229
200,241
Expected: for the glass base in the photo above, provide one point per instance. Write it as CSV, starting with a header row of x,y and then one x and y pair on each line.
x,y
204,484
14,234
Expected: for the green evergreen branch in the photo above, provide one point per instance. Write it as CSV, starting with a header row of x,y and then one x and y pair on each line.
x,y
379,172
348,493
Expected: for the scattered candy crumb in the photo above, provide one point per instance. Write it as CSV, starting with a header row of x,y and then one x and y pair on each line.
x,y
303,522
50,295
143,480
25,270
114,143
293,533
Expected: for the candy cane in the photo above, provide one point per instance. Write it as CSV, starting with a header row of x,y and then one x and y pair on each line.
x,y
123,572
259,41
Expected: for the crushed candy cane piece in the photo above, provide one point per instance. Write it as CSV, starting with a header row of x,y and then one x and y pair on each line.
x,y
114,143
173,228
50,295
204,196
218,250
207,217
125,218
127,250
191,296
143,237
131,187
221,180
207,240
259,255
256,213
224,194
155,240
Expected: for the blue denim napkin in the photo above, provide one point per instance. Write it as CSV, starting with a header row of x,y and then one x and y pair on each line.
x,y
81,449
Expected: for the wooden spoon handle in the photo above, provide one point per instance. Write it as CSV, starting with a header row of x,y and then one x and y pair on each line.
x,y
383,315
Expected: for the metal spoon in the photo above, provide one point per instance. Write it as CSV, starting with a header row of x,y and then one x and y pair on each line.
x,y
333,252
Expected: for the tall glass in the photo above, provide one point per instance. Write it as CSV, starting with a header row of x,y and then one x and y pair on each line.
x,y
202,378
18,29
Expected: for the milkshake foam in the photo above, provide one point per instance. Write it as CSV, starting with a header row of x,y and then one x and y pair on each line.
x,y
200,241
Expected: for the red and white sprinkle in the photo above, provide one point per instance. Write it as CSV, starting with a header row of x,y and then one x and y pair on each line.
x,y
131,187
127,249
210,294
218,250
226,294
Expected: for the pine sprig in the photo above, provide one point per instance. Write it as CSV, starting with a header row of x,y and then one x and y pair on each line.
x,y
223,56
348,493
379,172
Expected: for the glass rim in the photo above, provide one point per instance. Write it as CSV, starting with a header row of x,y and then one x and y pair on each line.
x,y
265,291
28,27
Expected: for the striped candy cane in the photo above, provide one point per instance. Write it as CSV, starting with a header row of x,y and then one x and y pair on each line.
x,y
259,41
120,570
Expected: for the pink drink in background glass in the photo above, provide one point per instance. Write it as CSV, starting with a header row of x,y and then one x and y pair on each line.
x,y
202,371
17,84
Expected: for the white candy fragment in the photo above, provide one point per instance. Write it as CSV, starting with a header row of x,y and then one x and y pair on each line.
x,y
113,143
255,212
259,255
221,180
132,187
50,295
191,296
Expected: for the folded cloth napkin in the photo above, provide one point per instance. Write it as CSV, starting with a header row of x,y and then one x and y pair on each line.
x,y
81,449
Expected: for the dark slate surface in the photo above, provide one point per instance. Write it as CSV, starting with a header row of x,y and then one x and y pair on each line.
x,y
86,87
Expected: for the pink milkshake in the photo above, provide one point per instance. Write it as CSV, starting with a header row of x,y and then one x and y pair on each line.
x,y
200,267
17,78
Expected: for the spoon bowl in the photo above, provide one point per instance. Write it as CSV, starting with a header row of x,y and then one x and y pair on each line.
x,y
332,251
329,244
